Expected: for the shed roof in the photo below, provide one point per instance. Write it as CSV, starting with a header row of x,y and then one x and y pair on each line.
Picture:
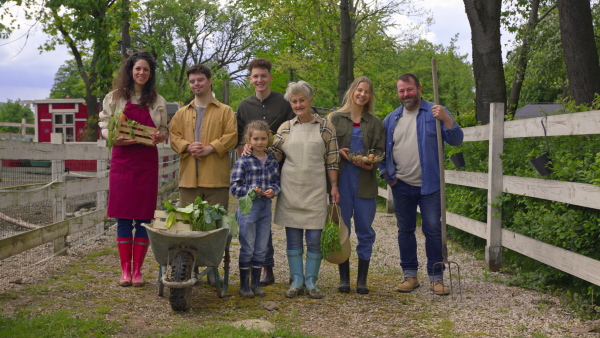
x,y
538,109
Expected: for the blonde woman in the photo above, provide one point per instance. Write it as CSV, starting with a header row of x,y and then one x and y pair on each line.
x,y
357,129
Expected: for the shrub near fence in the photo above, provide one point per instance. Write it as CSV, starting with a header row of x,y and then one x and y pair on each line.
x,y
555,221
51,203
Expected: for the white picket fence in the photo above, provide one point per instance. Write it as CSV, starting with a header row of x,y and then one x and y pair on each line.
x,y
59,189
585,195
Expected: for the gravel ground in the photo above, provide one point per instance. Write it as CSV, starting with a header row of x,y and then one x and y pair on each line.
x,y
480,307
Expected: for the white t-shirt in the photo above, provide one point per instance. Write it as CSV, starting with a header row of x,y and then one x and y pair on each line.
x,y
406,149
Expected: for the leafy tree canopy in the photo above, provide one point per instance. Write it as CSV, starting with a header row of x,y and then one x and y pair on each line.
x,y
14,112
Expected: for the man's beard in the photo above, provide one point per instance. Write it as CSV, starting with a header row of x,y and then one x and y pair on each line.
x,y
411,103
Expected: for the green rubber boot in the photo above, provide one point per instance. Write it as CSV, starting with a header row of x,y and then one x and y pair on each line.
x,y
296,272
313,264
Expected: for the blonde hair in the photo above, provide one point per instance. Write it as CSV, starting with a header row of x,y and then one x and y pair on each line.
x,y
348,102
300,87
257,125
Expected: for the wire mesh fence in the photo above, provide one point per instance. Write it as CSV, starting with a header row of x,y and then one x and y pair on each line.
x,y
33,264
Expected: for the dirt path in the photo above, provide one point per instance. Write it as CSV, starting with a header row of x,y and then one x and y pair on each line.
x,y
85,283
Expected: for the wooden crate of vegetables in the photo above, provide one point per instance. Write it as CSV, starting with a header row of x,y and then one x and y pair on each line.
x,y
160,222
197,216
119,125
132,130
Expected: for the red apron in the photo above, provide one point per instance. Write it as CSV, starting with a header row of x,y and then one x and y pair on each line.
x,y
133,183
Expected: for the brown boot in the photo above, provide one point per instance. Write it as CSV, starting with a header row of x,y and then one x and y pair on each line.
x,y
439,288
267,277
408,284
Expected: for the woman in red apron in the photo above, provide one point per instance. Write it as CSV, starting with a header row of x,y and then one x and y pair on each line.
x,y
133,183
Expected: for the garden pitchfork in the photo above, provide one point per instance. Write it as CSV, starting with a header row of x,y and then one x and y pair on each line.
x,y
445,264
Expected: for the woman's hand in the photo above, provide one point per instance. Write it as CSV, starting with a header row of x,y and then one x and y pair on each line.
x,y
335,195
247,149
344,153
121,141
158,137
364,166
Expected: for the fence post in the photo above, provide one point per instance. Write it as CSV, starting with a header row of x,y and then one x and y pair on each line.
x,y
59,207
493,248
23,129
101,196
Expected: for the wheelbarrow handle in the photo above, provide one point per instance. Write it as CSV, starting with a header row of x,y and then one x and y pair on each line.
x,y
179,285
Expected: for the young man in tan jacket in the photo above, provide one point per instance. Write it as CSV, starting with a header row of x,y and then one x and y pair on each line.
x,y
202,133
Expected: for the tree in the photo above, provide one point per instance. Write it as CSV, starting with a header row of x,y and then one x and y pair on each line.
x,y
14,112
87,28
579,47
314,40
68,82
125,25
538,46
484,19
347,31
180,33
354,16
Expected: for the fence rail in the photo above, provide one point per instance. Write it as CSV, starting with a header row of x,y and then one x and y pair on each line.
x,y
65,184
585,195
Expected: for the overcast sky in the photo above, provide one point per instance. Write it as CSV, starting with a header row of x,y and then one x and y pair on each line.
x,y
27,75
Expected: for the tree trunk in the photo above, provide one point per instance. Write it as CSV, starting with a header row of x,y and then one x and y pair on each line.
x,y
125,35
579,49
484,19
346,66
523,59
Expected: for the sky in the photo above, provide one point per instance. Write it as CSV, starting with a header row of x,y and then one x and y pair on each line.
x,y
25,74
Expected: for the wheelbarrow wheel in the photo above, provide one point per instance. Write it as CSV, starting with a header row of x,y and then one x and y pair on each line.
x,y
181,271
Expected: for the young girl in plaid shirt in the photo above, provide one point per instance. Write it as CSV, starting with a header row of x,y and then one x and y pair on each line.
x,y
259,172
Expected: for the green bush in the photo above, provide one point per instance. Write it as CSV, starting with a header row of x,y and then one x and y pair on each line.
x,y
574,228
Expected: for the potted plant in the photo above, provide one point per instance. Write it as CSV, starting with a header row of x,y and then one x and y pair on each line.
x,y
456,156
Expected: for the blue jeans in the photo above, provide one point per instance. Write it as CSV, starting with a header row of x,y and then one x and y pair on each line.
x,y
255,229
269,260
406,199
295,239
361,209
125,228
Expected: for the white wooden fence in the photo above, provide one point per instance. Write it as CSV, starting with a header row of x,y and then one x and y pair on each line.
x,y
57,152
23,125
585,195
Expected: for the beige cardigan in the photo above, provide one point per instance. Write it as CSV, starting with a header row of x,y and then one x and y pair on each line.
x,y
158,111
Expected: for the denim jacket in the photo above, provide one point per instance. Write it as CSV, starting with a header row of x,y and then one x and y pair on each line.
x,y
427,142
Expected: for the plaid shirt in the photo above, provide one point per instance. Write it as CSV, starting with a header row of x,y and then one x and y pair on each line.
x,y
249,172
332,154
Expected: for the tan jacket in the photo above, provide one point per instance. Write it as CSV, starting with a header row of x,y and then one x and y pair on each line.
x,y
158,111
219,129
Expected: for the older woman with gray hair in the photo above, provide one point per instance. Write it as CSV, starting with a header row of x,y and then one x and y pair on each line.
x,y
309,145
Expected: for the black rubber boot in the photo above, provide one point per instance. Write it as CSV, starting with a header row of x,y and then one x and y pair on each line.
x,y
267,277
245,290
363,271
344,277
256,289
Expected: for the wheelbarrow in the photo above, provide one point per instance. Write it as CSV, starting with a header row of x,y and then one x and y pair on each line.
x,y
183,252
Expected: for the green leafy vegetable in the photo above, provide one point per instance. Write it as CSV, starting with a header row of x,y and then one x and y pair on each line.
x,y
246,202
202,216
171,219
330,238
113,129
229,222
